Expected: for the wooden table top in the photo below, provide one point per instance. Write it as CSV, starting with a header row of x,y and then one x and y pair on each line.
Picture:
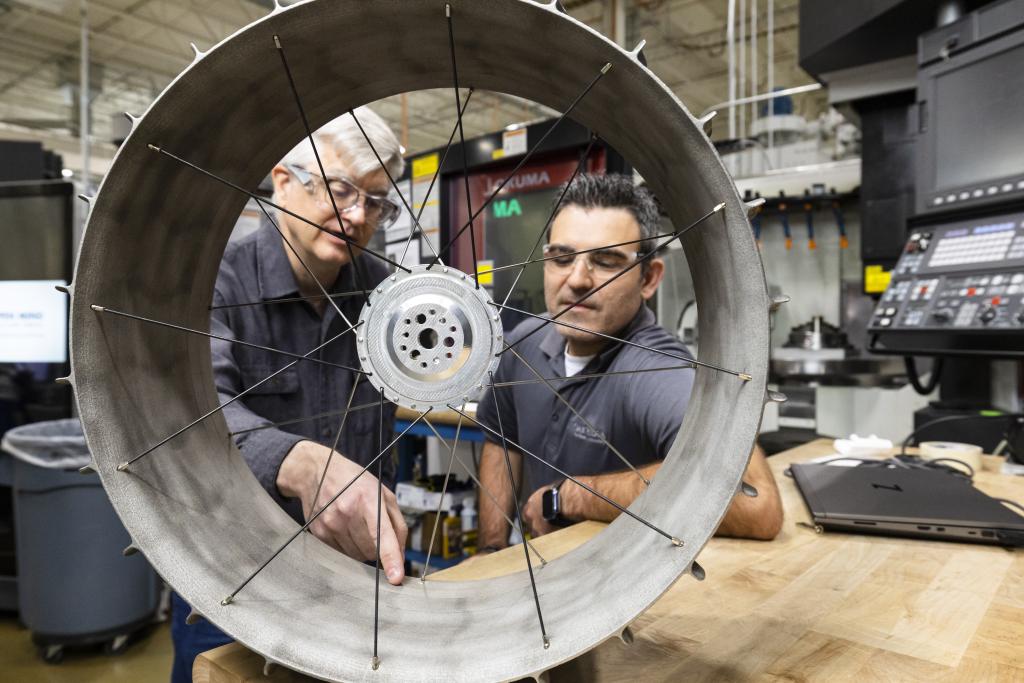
x,y
446,417
804,607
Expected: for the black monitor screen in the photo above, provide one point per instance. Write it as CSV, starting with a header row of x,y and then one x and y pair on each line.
x,y
979,121
34,232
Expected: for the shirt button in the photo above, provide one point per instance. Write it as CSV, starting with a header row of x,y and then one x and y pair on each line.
x,y
554,417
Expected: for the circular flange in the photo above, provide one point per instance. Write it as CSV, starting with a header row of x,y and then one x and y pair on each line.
x,y
428,338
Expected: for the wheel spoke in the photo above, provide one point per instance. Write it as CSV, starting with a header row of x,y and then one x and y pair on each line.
x,y
523,264
329,413
483,488
252,195
522,162
676,235
229,599
182,328
519,512
675,541
320,165
391,180
437,172
693,361
334,446
595,375
585,421
123,467
547,223
462,142
376,574
286,300
305,266
444,490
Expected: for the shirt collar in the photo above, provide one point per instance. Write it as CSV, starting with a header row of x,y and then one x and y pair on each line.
x,y
274,271
553,343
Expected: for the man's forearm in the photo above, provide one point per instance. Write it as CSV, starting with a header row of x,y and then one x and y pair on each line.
x,y
622,487
494,528
758,518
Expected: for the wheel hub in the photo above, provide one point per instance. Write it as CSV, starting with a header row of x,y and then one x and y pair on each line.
x,y
429,338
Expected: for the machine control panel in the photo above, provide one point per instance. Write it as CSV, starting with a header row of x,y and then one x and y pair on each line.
x,y
963,276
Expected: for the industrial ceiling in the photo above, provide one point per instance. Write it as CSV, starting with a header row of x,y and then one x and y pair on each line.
x,y
137,47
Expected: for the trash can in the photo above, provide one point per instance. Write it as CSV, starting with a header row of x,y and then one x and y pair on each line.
x,y
75,587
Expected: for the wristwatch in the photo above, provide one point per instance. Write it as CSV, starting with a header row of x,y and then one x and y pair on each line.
x,y
551,505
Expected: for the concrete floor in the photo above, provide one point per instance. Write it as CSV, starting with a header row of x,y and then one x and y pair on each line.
x,y
147,660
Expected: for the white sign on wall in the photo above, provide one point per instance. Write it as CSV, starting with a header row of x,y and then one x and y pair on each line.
x,y
33,322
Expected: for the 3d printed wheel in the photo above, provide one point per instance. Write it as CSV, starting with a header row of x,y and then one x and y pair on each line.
x,y
155,236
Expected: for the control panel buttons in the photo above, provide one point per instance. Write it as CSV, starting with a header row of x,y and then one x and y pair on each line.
x,y
944,279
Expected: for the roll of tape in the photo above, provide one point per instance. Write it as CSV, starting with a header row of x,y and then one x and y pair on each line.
x,y
964,452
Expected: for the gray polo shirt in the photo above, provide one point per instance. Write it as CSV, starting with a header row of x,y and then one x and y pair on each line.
x,y
637,413
256,268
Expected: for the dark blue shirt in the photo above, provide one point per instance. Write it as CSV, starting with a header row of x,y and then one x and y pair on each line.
x,y
637,413
256,268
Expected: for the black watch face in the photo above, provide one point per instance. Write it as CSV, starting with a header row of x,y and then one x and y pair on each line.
x,y
549,504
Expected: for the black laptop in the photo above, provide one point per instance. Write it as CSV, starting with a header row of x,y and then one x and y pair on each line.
x,y
919,503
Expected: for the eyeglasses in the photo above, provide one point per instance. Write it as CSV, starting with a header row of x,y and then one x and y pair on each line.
x,y
601,262
379,211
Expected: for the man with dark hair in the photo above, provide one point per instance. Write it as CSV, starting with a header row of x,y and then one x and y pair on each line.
x,y
611,432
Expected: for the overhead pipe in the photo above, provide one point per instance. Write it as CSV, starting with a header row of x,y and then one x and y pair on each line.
x,y
771,77
795,90
754,75
83,93
730,40
741,17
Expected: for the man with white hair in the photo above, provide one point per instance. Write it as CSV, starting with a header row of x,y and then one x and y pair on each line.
x,y
270,292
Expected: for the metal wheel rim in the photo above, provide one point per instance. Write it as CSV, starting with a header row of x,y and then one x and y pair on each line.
x,y
194,508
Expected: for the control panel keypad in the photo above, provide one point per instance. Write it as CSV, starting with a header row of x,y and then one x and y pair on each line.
x,y
964,276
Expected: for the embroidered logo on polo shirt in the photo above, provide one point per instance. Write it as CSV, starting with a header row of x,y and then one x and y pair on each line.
x,y
580,430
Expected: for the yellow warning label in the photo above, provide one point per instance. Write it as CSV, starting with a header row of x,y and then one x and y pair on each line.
x,y
484,272
876,279
425,166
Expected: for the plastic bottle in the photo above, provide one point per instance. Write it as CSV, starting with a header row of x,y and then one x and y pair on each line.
x,y
469,532
468,515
